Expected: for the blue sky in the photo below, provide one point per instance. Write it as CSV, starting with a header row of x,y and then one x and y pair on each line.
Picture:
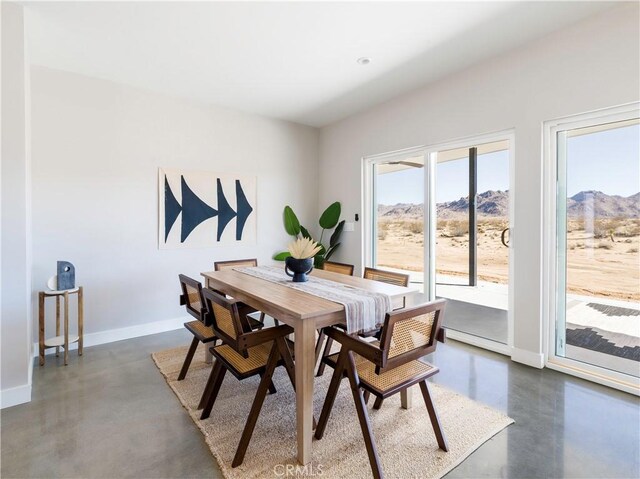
x,y
607,161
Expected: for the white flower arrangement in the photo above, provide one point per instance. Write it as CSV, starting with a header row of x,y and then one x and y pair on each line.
x,y
303,248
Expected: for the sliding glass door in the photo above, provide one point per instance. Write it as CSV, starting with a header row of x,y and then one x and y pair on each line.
x,y
471,241
443,215
597,259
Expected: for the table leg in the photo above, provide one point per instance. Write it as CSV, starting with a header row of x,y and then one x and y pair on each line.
x,y
41,327
66,328
406,400
80,320
57,323
305,335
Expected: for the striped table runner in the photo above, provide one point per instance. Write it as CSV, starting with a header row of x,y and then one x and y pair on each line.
x,y
364,310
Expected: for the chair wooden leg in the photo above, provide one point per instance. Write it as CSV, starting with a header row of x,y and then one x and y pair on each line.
x,y
215,389
215,370
363,417
378,403
433,415
366,397
325,353
188,358
320,343
332,392
272,387
285,354
256,407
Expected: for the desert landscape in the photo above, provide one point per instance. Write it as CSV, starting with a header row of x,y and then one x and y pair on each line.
x,y
603,241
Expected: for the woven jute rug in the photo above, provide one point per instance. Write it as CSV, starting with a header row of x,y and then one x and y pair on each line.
x,y
405,439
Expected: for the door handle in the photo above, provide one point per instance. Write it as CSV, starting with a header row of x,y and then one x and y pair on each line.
x,y
503,237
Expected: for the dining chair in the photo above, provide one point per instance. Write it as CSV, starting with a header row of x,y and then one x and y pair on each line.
x,y
387,367
240,263
191,298
245,353
390,277
341,268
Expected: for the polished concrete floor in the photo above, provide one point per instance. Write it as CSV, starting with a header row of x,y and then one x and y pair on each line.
x,y
110,414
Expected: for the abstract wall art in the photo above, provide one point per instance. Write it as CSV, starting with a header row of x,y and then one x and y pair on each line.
x,y
204,209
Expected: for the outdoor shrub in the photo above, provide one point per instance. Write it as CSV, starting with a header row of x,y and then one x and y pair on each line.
x,y
458,228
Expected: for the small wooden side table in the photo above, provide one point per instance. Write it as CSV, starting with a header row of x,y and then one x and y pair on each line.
x,y
59,340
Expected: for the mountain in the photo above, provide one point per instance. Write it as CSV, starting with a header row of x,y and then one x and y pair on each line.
x,y
602,205
488,204
496,204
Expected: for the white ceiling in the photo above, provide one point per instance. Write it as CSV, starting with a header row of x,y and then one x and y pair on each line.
x,y
294,61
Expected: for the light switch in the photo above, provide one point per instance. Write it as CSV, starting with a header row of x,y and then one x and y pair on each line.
x,y
349,227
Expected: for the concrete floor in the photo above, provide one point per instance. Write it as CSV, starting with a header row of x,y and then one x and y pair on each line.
x,y
111,414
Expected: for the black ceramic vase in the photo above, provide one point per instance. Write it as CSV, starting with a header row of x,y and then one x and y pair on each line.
x,y
298,268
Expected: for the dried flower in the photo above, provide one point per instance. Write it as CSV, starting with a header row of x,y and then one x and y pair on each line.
x,y
303,248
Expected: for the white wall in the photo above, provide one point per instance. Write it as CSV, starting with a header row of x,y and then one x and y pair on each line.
x,y
97,146
592,65
16,243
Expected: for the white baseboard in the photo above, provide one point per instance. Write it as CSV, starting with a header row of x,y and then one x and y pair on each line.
x,y
535,360
112,335
14,396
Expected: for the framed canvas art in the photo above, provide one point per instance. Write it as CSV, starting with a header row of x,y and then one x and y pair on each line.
x,y
203,209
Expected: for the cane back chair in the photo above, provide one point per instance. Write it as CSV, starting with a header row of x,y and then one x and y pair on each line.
x,y
191,298
244,309
397,279
244,353
342,268
387,367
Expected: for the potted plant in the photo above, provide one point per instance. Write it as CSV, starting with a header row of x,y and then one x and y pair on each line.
x,y
300,261
329,220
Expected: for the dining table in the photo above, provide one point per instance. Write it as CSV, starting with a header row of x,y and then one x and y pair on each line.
x,y
306,314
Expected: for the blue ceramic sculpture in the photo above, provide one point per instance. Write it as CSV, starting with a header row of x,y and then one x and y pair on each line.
x,y
66,276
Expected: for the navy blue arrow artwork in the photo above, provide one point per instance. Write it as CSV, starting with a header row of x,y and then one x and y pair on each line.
x,y
225,212
244,210
195,210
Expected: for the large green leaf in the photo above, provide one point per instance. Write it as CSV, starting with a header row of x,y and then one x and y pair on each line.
x,y
331,216
331,250
281,256
305,232
318,261
335,237
291,223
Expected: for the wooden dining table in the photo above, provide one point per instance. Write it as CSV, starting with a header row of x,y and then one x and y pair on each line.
x,y
305,313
